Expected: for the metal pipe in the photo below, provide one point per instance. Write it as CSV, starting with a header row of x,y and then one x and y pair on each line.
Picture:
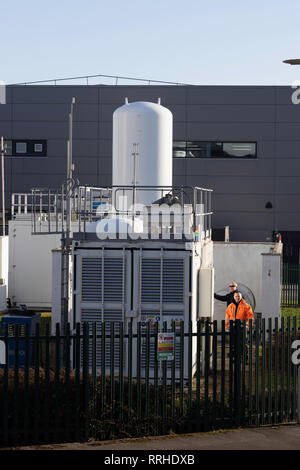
x,y
3,193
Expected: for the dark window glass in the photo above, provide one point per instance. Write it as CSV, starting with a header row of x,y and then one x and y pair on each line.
x,y
239,150
197,149
179,149
21,148
29,148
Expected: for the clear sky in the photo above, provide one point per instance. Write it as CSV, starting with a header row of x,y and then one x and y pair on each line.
x,y
192,41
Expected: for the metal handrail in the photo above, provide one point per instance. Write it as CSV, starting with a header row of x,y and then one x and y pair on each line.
x,y
47,207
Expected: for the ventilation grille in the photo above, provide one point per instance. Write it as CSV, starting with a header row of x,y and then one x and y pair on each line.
x,y
92,279
151,280
113,279
92,316
172,280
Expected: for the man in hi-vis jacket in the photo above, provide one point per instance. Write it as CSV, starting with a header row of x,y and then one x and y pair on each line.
x,y
238,310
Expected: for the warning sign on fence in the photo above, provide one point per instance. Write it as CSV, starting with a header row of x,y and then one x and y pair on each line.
x,y
165,347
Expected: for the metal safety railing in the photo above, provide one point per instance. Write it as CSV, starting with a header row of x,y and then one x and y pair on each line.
x,y
51,389
49,208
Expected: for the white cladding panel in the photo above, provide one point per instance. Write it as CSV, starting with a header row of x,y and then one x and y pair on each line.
x,y
150,126
206,290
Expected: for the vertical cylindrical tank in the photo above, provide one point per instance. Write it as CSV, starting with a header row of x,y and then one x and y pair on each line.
x,y
142,150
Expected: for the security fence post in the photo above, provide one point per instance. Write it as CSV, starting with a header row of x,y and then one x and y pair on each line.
x,y
237,371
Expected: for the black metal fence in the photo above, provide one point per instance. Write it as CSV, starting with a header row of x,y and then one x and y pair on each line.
x,y
108,380
290,287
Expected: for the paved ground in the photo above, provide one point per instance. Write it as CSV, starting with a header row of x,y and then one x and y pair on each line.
x,y
267,438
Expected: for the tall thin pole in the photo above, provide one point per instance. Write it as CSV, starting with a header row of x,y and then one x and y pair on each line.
x,y
66,234
3,189
70,170
70,149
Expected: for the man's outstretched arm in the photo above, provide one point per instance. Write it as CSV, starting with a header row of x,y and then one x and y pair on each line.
x,y
223,298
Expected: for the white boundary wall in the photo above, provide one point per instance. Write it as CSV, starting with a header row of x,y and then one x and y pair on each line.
x,y
242,262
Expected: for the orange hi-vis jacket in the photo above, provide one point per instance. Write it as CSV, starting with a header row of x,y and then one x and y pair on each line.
x,y
242,311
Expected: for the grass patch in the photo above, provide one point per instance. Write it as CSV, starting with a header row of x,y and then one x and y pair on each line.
x,y
291,312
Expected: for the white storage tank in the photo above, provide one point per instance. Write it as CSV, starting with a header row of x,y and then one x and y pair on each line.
x,y
142,150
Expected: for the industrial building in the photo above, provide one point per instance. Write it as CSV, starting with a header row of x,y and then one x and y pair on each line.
x,y
241,141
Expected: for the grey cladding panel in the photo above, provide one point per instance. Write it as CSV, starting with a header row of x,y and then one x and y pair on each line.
x,y
288,166
288,184
287,221
244,220
179,131
40,165
105,130
230,167
230,131
288,113
85,165
251,235
55,94
284,94
105,147
104,179
168,95
179,166
88,179
54,112
85,147
286,203
105,165
58,148
286,149
287,131
7,129
234,185
40,112
40,130
241,202
231,95
85,130
5,112
21,184
231,113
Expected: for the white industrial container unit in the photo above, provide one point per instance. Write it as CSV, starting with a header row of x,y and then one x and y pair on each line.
x,y
140,281
144,280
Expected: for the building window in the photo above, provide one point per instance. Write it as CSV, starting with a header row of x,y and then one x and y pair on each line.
x,y
197,149
29,148
21,147
38,148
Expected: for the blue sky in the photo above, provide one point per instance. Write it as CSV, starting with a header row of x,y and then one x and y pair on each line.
x,y
199,42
